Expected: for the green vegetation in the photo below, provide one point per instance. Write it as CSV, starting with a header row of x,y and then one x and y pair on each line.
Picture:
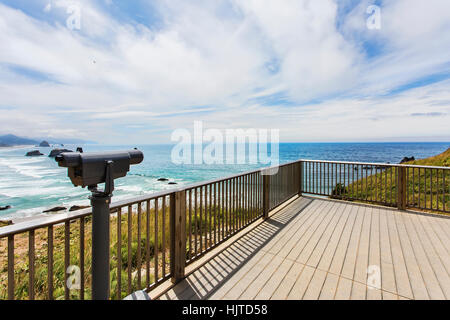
x,y
434,185
138,258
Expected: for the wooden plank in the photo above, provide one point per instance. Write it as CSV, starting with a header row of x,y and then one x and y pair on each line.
x,y
373,293
317,252
374,256
440,248
433,257
220,293
333,243
389,296
415,277
387,264
275,280
251,274
261,279
322,218
358,291
329,287
288,281
362,257
428,275
401,272
290,238
348,267
344,289
338,255
301,284
315,285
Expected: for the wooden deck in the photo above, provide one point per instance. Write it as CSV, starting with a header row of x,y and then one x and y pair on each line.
x,y
323,249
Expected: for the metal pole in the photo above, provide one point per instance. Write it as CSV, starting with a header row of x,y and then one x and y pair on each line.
x,y
100,246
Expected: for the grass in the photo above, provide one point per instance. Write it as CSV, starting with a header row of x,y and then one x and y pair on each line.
x,y
21,265
382,186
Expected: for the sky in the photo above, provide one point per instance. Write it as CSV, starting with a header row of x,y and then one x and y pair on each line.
x,y
120,71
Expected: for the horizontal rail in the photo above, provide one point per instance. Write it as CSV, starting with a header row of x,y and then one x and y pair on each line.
x,y
154,236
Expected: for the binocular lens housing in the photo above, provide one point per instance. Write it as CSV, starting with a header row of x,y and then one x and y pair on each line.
x,y
87,169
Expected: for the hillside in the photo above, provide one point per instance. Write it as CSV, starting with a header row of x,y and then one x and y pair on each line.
x,y
12,140
432,185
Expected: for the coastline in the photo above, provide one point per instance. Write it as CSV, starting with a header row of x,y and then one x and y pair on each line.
x,y
34,184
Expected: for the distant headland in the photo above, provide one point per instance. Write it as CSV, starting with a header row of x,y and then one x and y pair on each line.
x,y
10,140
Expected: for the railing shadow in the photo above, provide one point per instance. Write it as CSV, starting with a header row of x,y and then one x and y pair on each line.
x,y
215,273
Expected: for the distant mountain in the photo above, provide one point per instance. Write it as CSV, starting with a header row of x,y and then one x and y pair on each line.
x,y
12,140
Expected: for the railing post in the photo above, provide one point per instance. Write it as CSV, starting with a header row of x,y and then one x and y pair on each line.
x,y
300,177
178,235
266,192
401,188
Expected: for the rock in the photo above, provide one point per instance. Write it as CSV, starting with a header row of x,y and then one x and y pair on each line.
x,y
4,223
34,153
75,208
55,209
172,183
56,152
5,208
44,144
163,179
406,159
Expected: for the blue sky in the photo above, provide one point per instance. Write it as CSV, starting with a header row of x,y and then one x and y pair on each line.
x,y
137,70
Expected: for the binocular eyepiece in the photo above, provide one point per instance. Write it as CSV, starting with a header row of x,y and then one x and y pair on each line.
x,y
90,168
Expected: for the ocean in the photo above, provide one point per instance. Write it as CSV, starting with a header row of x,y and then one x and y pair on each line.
x,y
31,185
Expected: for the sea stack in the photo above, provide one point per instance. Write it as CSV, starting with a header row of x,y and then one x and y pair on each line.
x,y
44,144
34,153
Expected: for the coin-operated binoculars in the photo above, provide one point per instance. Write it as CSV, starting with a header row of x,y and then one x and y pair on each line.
x,y
88,170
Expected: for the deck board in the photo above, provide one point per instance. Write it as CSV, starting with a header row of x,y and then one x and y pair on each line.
x,y
323,249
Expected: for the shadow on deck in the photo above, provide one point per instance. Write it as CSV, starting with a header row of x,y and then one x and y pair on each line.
x,y
323,249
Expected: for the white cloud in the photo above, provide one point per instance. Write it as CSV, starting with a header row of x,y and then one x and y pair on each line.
x,y
226,56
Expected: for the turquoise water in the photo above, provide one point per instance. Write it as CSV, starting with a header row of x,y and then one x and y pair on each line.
x,y
31,185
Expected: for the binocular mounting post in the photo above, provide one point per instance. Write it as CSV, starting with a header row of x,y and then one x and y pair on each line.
x,y
100,201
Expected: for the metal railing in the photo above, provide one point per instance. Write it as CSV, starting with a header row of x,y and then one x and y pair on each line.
x,y
153,238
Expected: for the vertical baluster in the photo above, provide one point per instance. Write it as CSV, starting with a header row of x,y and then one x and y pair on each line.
x,y
206,218
82,258
163,240
129,225
156,244
119,253
138,256
11,267
431,189
210,214
147,243
443,190
196,223
66,258
419,189
385,185
31,258
222,209
215,212
437,189
50,262
201,219
190,224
